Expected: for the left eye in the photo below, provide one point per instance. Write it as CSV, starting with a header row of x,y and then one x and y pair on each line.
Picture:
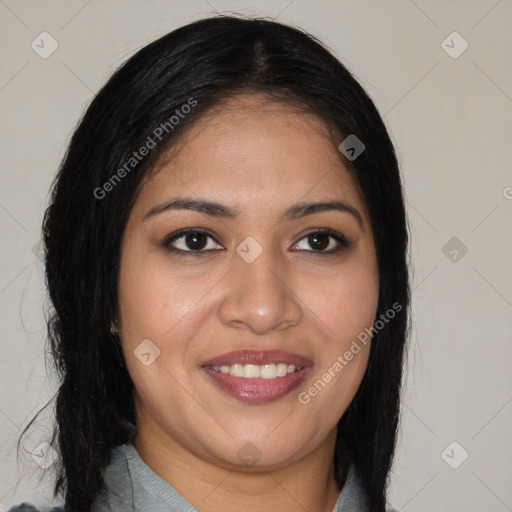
x,y
323,241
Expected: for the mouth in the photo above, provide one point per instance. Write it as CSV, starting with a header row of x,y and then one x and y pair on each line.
x,y
257,376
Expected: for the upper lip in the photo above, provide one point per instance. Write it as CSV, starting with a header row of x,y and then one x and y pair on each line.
x,y
258,357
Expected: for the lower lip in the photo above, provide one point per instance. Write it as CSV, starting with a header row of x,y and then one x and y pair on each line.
x,y
257,390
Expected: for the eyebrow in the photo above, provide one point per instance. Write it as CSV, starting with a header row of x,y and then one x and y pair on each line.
x,y
219,210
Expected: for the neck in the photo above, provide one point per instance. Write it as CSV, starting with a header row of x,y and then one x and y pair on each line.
x,y
308,484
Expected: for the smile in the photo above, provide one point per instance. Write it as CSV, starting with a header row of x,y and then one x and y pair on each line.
x,y
254,371
257,376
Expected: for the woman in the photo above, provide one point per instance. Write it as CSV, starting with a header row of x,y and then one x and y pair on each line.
x,y
226,259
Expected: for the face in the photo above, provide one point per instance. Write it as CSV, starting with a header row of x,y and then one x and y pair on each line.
x,y
248,271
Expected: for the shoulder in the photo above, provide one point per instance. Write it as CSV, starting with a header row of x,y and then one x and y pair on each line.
x,y
25,507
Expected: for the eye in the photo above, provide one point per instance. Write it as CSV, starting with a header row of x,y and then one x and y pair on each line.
x,y
191,241
323,241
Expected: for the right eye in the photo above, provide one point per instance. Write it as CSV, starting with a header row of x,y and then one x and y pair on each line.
x,y
191,240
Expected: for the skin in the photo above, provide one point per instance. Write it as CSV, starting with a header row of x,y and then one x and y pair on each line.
x,y
260,157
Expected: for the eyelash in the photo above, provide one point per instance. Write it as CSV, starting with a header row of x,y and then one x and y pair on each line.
x,y
343,243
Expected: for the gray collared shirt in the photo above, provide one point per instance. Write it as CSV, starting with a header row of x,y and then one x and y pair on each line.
x,y
132,486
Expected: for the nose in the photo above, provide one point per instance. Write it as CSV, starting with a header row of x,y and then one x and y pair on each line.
x,y
259,296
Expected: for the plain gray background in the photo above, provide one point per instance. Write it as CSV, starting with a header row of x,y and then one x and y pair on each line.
x,y
449,111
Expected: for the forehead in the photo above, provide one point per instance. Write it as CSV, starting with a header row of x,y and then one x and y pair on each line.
x,y
254,149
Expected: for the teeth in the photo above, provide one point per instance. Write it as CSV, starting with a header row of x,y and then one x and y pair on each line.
x,y
282,369
251,371
254,371
237,370
268,371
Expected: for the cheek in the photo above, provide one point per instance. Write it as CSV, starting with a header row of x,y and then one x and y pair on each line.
x,y
166,307
350,312
158,317
346,302
156,301
347,307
